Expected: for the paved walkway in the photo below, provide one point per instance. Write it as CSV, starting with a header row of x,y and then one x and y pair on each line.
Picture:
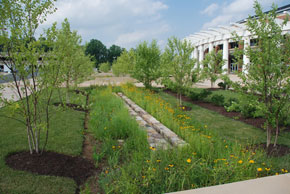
x,y
268,185
159,136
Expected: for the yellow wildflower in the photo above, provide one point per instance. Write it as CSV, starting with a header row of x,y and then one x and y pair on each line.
x,y
267,169
158,161
170,165
114,147
240,161
143,177
166,168
147,161
226,146
252,161
188,160
259,169
152,148
276,173
106,171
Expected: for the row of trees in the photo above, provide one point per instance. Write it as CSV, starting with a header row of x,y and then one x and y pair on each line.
x,y
38,72
148,64
267,80
100,54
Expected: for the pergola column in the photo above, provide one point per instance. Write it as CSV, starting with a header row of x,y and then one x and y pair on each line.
x,y
210,47
246,59
226,55
201,54
195,55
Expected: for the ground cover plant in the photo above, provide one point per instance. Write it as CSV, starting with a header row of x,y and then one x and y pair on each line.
x,y
65,137
134,167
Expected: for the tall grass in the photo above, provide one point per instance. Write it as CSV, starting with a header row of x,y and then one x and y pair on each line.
x,y
134,168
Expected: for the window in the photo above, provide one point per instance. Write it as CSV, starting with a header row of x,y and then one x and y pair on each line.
x,y
234,45
253,42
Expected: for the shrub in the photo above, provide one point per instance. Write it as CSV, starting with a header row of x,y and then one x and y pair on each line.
x,y
233,107
218,99
204,93
105,67
194,95
230,102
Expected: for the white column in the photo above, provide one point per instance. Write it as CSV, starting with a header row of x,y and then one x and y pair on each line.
x,y
195,56
210,47
226,55
195,53
246,59
201,55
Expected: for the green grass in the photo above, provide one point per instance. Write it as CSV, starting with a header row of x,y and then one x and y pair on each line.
x,y
65,137
215,157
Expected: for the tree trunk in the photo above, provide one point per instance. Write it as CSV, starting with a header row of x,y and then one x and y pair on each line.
x,y
277,132
29,140
268,136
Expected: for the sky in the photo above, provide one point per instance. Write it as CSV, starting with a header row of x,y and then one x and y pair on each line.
x,y
127,23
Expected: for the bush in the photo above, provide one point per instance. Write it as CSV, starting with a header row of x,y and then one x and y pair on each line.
x,y
218,99
194,95
248,110
105,67
230,101
204,93
233,107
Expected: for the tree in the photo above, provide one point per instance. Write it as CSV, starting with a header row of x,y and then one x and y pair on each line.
x,y
98,51
213,64
147,63
268,71
177,62
125,64
68,53
24,57
113,53
105,67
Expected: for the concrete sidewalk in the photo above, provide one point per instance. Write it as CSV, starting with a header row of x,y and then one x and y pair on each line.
x,y
279,184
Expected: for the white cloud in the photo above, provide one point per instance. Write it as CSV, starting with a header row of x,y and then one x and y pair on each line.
x,y
131,38
210,9
107,19
234,11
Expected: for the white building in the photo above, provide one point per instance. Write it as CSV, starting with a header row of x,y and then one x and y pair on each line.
x,y
221,38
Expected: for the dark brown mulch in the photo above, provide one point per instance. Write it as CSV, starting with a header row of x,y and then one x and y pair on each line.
x,y
256,122
73,106
54,164
278,151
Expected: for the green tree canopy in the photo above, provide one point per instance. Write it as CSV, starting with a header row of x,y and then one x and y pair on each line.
x,y
177,62
98,51
268,71
113,53
125,64
147,63
213,64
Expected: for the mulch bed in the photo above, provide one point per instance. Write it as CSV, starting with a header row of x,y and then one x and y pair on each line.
x,y
256,122
278,151
70,105
54,164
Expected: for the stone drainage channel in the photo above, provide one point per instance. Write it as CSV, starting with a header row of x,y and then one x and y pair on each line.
x,y
158,135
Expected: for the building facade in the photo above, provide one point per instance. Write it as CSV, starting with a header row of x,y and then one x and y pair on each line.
x,y
222,38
